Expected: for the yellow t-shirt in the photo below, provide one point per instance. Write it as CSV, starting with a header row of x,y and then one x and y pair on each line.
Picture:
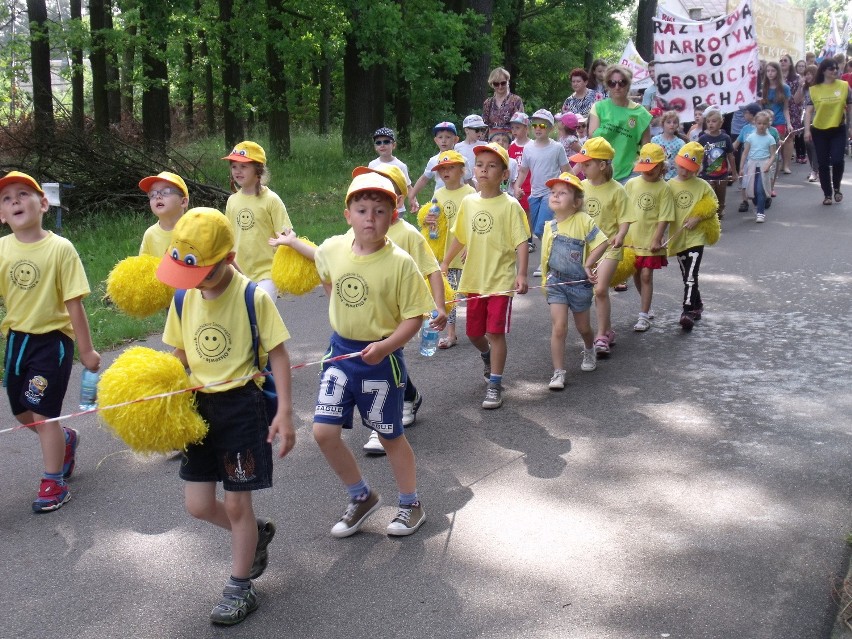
x,y
371,294
829,102
36,279
606,204
651,203
686,193
216,336
450,202
410,240
255,219
578,227
491,229
156,241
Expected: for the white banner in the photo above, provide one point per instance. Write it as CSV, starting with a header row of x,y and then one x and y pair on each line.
x,y
714,62
631,59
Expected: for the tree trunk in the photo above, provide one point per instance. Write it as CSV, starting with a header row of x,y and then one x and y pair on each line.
x,y
325,95
231,88
358,98
279,114
402,109
512,42
77,96
189,85
113,84
40,61
156,122
128,64
204,52
97,58
645,29
471,86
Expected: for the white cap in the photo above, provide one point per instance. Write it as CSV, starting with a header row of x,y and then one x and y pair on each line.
x,y
543,114
474,121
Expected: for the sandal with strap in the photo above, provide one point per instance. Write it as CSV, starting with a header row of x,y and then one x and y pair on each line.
x,y
826,201
838,196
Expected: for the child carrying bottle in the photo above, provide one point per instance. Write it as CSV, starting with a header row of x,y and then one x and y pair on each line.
x,y
653,207
570,247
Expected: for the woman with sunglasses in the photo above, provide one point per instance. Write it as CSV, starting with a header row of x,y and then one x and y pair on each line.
x,y
620,121
500,107
828,109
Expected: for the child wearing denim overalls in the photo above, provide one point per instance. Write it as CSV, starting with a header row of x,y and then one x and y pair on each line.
x,y
570,247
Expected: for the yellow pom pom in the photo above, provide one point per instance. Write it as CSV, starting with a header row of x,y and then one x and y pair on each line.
x,y
157,425
134,288
439,244
626,267
711,227
449,293
292,272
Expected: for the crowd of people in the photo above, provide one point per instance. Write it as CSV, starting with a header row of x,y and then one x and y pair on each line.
x,y
608,181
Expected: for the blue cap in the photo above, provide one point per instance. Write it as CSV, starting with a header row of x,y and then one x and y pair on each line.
x,y
444,126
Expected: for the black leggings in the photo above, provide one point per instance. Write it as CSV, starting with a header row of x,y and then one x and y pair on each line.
x,y
690,261
830,146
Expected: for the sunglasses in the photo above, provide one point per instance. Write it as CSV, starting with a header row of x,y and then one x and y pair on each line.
x,y
616,83
831,68
539,125
382,142
499,84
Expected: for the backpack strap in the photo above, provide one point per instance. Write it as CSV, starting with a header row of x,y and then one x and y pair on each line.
x,y
252,315
179,295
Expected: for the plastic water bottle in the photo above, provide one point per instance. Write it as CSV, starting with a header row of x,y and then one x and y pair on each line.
x,y
88,390
429,337
435,210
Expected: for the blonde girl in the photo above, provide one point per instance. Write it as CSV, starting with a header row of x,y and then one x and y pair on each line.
x,y
670,141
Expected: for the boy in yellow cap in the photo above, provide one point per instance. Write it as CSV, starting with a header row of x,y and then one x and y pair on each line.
x,y
606,204
570,247
256,213
653,208
689,236
493,228
212,336
377,300
43,286
169,199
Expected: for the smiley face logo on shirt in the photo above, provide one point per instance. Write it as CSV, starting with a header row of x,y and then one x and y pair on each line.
x,y
646,201
684,200
593,206
352,290
245,219
482,222
450,211
212,342
24,274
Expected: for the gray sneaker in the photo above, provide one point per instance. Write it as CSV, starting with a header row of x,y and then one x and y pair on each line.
x,y
408,519
235,606
590,359
355,516
557,382
265,533
486,362
493,396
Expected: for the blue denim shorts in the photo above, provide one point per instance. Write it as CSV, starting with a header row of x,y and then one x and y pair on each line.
x,y
577,297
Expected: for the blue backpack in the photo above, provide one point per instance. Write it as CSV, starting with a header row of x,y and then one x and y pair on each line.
x,y
269,395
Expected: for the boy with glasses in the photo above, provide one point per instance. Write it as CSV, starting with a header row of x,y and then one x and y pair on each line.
x,y
475,132
169,199
384,139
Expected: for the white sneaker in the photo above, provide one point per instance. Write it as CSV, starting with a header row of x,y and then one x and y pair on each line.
x,y
374,445
642,324
651,313
537,272
409,410
557,382
590,360
760,218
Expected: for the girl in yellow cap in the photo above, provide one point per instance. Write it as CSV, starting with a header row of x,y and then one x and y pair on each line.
x,y
256,213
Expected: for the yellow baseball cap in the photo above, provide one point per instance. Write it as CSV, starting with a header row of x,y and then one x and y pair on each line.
x,y
172,178
566,178
690,156
446,158
594,149
650,155
247,152
16,177
493,147
370,181
201,239
394,173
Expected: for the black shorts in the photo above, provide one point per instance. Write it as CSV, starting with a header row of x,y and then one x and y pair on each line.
x,y
38,368
235,450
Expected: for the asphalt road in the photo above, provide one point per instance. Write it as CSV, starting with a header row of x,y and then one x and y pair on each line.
x,y
693,486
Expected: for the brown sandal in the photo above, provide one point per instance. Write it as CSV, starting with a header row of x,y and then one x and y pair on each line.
x,y
826,201
838,196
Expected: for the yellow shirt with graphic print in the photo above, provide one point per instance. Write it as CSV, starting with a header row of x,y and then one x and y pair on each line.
x,y
256,219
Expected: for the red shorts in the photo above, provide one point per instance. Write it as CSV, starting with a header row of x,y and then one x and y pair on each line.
x,y
651,261
782,129
488,315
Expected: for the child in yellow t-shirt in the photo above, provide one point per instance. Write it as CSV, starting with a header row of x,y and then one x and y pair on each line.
x,y
493,228
606,204
212,336
377,300
570,247
696,224
653,209
256,213
169,199
43,285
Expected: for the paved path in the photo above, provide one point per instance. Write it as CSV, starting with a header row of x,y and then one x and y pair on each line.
x,y
694,486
